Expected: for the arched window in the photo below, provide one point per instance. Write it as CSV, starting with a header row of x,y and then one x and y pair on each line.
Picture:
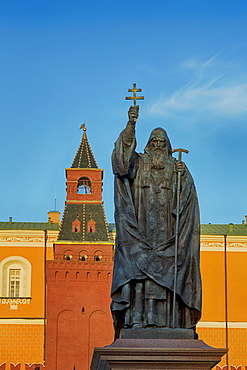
x,y
84,186
15,277
98,256
67,257
83,257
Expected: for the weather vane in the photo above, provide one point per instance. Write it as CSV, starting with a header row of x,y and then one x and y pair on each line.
x,y
134,97
83,126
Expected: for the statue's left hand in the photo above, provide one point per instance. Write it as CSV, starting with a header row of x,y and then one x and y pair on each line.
x,y
180,166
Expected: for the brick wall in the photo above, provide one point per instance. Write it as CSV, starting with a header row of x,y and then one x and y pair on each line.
x,y
21,343
237,340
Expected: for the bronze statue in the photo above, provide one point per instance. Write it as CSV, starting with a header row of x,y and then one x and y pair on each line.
x,y
145,216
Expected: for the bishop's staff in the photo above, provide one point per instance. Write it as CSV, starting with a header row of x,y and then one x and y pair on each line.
x,y
177,235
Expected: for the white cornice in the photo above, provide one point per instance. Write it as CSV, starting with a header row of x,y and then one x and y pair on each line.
x,y
222,324
22,321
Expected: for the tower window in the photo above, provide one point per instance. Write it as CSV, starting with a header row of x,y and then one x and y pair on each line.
x,y
97,258
76,226
91,226
67,257
83,257
84,186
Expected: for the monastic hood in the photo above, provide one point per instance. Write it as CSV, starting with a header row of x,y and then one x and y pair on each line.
x,y
159,132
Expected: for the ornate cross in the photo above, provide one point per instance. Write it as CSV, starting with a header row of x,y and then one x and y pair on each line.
x,y
134,97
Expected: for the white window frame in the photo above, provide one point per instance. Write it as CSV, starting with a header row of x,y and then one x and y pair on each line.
x,y
15,263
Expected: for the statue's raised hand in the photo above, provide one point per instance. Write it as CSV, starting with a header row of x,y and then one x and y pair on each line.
x,y
133,113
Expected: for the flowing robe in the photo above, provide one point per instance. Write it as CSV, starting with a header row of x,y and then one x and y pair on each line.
x,y
145,214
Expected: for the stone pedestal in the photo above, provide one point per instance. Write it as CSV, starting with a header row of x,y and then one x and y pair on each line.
x,y
156,354
158,333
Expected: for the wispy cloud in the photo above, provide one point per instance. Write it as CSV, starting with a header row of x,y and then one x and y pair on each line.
x,y
213,89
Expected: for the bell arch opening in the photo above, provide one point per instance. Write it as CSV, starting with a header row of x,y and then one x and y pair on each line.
x,y
84,186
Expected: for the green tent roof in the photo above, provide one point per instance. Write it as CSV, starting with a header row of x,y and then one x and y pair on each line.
x,y
84,157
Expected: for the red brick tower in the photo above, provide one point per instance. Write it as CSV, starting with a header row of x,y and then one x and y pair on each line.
x,y
79,278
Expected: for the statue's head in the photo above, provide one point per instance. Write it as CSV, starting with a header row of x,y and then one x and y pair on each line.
x,y
159,142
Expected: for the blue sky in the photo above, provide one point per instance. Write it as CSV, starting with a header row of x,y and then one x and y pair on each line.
x,y
63,62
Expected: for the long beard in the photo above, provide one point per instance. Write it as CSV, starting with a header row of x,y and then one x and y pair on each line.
x,y
158,160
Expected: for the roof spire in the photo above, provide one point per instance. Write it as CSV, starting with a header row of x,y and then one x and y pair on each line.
x,y
84,157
